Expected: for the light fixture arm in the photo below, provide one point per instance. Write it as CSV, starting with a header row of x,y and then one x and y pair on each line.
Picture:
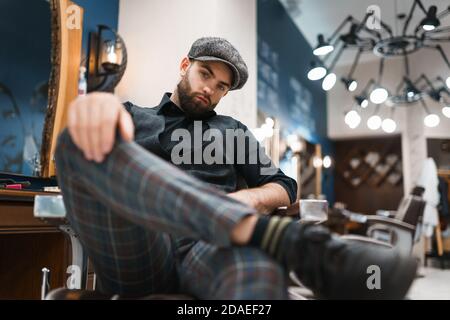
x,y
439,48
406,63
444,13
405,27
368,85
424,105
421,6
424,77
380,70
339,28
336,58
408,20
355,63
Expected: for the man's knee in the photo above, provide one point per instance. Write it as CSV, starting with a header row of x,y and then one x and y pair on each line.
x,y
65,145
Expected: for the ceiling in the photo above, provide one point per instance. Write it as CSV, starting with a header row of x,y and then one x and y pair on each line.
x,y
324,16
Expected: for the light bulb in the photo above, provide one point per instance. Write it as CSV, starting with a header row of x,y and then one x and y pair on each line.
x,y
317,73
352,119
321,51
269,121
374,122
379,95
364,103
326,161
388,125
317,162
446,111
428,27
447,82
268,131
353,85
112,57
329,82
431,120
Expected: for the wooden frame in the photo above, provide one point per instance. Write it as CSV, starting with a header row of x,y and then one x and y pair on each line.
x,y
63,84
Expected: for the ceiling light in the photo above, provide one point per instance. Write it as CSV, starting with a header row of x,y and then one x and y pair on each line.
x,y
447,82
323,47
269,121
430,22
431,120
362,101
326,161
352,119
316,72
329,82
350,84
446,111
379,95
374,122
317,162
388,125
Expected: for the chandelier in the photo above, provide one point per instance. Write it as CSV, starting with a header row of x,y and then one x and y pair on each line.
x,y
383,43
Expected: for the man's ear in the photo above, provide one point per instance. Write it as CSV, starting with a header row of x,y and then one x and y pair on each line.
x,y
184,66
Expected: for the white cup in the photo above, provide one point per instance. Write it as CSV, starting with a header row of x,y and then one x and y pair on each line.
x,y
313,210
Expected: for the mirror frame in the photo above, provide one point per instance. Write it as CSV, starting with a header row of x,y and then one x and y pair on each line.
x,y
66,44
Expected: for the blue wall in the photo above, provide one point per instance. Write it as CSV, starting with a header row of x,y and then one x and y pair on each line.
x,y
284,90
25,69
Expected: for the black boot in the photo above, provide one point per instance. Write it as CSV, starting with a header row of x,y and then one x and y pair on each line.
x,y
335,268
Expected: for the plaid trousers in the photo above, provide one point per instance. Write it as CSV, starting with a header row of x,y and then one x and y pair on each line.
x,y
129,211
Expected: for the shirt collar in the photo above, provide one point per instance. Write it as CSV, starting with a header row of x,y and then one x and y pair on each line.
x,y
165,102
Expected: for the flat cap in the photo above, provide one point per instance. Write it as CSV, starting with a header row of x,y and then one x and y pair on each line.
x,y
219,49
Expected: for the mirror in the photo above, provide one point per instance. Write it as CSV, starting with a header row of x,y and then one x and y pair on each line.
x,y
39,61
25,30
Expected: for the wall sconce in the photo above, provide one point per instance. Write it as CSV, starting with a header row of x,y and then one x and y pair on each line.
x,y
107,59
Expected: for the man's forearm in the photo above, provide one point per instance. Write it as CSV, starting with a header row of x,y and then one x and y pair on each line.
x,y
264,199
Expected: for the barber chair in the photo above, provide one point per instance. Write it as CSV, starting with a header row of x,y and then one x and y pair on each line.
x,y
399,230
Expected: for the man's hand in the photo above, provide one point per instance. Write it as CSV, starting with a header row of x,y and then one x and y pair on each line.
x,y
92,122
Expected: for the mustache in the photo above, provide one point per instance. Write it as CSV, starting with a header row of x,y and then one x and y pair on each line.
x,y
207,98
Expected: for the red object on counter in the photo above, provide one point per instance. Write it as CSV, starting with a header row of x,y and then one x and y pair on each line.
x,y
14,186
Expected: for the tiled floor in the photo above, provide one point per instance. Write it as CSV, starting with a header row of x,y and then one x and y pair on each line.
x,y
435,285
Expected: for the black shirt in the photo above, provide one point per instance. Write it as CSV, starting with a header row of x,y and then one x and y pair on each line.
x,y
154,128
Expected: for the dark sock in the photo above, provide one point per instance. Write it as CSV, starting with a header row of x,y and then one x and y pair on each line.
x,y
270,233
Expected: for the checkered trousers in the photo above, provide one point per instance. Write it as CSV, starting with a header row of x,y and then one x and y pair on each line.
x,y
131,210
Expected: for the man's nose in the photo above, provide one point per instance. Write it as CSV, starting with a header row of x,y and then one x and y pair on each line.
x,y
208,90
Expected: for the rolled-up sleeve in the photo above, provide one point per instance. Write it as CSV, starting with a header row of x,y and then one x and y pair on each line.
x,y
253,164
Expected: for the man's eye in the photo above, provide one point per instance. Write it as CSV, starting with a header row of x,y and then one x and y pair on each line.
x,y
222,88
205,75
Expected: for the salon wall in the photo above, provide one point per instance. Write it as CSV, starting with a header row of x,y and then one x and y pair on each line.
x,y
284,91
159,33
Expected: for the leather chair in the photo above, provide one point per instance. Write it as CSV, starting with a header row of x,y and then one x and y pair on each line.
x,y
398,231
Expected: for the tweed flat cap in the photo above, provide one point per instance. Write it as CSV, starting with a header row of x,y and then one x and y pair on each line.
x,y
219,49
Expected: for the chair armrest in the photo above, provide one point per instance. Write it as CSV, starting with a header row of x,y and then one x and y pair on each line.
x,y
352,237
389,222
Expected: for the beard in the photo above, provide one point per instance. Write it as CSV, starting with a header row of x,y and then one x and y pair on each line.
x,y
193,108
